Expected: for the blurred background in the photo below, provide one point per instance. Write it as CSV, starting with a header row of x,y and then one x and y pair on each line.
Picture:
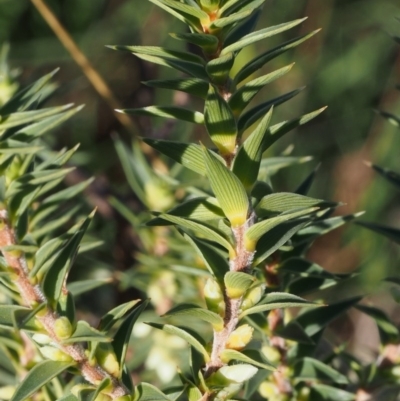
x,y
352,65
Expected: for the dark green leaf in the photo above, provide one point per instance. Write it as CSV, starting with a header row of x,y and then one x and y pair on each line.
x,y
193,86
219,68
37,377
147,392
321,392
390,175
85,332
389,232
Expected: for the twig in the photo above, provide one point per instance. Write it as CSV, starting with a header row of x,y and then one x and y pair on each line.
x,y
32,296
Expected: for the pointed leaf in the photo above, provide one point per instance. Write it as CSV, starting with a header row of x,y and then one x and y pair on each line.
x,y
228,355
285,201
257,63
81,287
305,186
189,155
215,262
246,164
255,232
123,334
251,116
230,20
37,377
391,176
227,188
114,315
220,122
321,392
192,310
278,300
209,232
85,332
244,95
193,86
312,369
184,333
219,68
147,392
171,112
186,9
209,43
260,35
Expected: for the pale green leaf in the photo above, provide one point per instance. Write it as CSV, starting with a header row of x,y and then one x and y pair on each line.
x,y
228,189
237,283
148,392
85,332
230,20
228,355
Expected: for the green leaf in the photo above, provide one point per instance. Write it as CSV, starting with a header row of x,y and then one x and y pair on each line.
x,y
186,9
257,63
304,268
25,117
251,116
228,355
185,62
277,131
260,35
220,122
312,369
215,262
391,176
285,201
68,193
80,287
228,189
237,283
314,320
244,95
193,86
209,232
57,272
388,332
85,332
183,332
189,155
219,68
171,112
278,300
123,334
321,392
389,232
147,392
37,377
230,20
114,315
246,164
192,310
255,232
305,185
7,317
209,43
393,119
271,165
276,238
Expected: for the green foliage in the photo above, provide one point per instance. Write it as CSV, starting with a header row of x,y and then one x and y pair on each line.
x,y
221,251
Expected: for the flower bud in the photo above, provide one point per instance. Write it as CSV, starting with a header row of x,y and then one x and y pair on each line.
x,y
234,374
240,337
237,283
42,339
63,328
107,359
271,353
253,296
55,354
213,296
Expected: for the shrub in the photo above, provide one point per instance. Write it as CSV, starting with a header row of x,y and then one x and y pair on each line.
x,y
221,234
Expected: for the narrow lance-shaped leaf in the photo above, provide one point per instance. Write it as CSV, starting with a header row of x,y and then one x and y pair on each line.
x,y
172,112
209,232
255,232
85,332
278,130
186,9
389,232
185,334
246,164
257,63
284,201
219,68
227,21
37,377
260,35
228,355
193,86
187,154
228,189
391,176
243,96
191,310
277,300
220,122
209,43
251,116
123,334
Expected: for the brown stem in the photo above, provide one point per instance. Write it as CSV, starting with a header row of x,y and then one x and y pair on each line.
x,y
32,296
